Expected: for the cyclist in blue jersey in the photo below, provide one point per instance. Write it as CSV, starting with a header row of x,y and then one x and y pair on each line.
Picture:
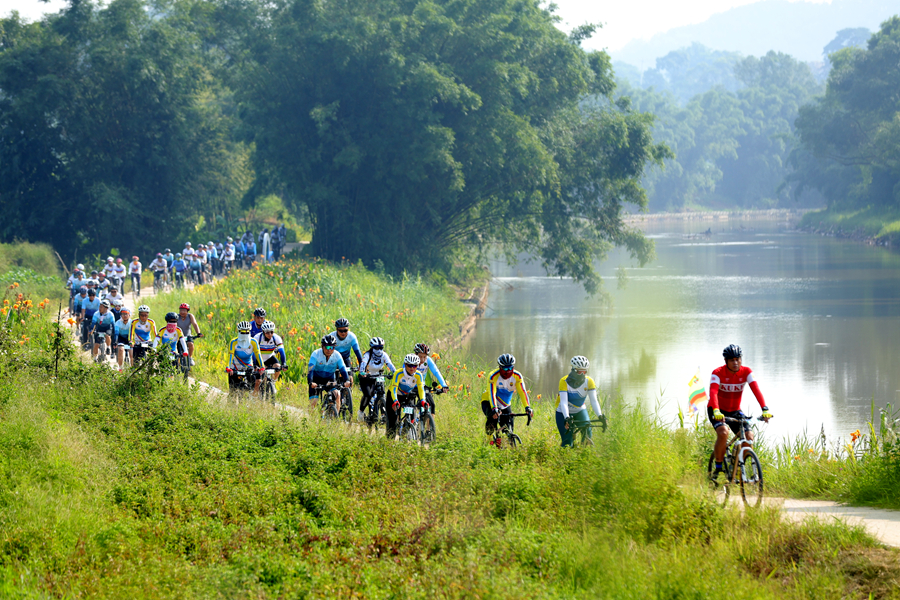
x,y
179,267
431,375
323,363
89,306
345,341
103,322
123,331
80,297
259,317
196,268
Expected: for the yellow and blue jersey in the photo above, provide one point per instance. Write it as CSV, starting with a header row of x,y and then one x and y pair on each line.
x,y
572,400
404,383
501,391
142,332
430,373
172,339
244,357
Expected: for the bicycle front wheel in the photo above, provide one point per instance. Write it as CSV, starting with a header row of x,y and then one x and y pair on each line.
x,y
514,441
721,487
751,480
427,431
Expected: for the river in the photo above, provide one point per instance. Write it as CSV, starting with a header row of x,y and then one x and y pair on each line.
x,y
817,318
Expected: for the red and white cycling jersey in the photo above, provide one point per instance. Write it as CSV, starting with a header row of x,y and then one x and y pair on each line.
x,y
725,388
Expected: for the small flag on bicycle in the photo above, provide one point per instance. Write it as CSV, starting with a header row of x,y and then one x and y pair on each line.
x,y
696,393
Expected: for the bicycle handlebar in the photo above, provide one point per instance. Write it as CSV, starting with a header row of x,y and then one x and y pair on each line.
x,y
529,415
743,420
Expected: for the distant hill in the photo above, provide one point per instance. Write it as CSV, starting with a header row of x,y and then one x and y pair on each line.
x,y
801,29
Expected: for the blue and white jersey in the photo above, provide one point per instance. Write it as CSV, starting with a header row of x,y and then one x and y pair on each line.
x,y
346,345
180,266
212,253
123,330
270,348
324,368
103,322
430,369
76,303
90,306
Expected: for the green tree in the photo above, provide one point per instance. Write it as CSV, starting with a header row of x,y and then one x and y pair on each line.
x,y
851,135
110,123
419,133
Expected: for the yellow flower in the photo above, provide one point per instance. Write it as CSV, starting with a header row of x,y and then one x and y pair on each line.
x,y
209,316
538,397
435,356
276,305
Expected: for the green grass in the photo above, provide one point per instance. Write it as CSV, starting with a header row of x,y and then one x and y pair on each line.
x,y
878,223
115,487
35,268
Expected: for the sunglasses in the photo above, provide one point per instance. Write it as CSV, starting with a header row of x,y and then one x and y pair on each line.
x,y
343,330
377,347
506,370
328,347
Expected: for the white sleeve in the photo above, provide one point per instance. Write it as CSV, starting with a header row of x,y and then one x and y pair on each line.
x,y
592,395
564,404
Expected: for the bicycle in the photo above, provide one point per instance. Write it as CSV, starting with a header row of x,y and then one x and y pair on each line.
x,y
584,428
159,282
267,389
181,363
241,380
408,422
741,467
377,416
508,430
427,429
328,400
100,339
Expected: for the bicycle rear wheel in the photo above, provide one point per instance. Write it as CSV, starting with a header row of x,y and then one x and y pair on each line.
x,y
751,480
427,431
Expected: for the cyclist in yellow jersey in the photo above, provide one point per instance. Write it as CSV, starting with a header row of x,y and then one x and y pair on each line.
x,y
503,384
143,331
575,389
406,386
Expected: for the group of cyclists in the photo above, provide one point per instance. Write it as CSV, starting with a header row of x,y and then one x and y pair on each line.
x,y
258,351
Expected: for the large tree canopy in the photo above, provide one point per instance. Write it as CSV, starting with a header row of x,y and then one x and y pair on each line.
x,y
851,135
112,131
417,132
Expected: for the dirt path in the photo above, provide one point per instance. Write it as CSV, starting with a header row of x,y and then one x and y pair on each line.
x,y
881,523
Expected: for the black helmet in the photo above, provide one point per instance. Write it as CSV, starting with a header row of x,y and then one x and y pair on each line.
x,y
506,361
422,347
342,323
329,340
260,312
171,317
732,351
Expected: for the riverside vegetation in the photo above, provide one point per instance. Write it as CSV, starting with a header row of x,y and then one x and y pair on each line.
x,y
114,486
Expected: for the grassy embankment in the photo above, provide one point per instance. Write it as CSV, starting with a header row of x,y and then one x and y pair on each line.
x,y
116,487
880,224
35,268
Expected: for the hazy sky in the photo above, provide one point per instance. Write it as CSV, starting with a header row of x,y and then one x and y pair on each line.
x,y
622,21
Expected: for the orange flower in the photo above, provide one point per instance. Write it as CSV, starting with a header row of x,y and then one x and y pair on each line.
x,y
435,356
855,436
538,397
292,332
209,316
276,305
481,373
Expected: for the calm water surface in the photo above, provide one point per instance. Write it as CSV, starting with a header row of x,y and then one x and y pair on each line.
x,y
817,319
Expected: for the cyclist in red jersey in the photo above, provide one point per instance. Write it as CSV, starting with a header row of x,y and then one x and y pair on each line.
x,y
725,388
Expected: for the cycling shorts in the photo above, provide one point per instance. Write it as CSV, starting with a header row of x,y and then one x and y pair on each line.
x,y
732,414
271,362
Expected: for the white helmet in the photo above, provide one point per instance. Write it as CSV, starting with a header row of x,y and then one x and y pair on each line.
x,y
144,308
104,303
187,244
580,362
411,359
80,267
109,259
268,326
